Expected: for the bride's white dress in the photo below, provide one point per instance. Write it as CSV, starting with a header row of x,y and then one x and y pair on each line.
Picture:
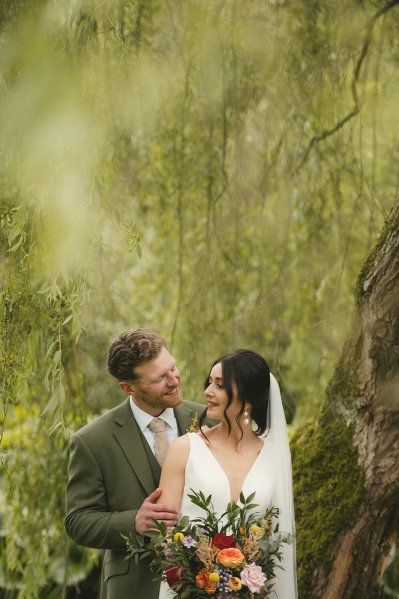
x,y
204,473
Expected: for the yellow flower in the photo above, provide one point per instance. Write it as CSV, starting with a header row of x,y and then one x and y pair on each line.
x,y
254,528
178,537
214,577
257,530
235,583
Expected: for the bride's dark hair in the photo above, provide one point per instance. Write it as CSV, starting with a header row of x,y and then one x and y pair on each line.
x,y
250,374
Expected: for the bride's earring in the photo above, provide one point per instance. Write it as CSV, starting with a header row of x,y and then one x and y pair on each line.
x,y
246,417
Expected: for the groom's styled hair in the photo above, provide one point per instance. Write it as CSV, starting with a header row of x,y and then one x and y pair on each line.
x,y
132,349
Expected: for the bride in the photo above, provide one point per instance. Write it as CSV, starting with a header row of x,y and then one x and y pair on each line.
x,y
247,451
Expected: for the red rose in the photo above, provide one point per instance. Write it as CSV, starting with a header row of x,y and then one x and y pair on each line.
x,y
173,575
223,541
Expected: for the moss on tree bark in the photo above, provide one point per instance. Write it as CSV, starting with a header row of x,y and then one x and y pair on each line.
x,y
346,465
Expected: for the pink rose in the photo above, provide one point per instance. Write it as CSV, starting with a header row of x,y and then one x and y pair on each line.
x,y
253,577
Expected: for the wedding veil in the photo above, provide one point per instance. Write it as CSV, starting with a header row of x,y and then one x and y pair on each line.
x,y
283,497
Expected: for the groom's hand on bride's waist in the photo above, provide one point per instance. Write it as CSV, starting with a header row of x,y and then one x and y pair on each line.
x,y
151,510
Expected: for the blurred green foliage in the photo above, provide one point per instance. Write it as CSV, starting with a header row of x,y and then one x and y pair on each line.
x,y
35,553
215,170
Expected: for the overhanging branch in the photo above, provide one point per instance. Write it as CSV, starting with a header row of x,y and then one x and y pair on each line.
x,y
355,79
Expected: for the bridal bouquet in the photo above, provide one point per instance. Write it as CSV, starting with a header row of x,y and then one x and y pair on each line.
x,y
231,556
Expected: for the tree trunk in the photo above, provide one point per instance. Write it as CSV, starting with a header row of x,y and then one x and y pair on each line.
x,y
346,467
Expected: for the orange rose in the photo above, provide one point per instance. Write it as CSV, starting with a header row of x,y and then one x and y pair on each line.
x,y
235,583
203,582
210,588
230,558
202,578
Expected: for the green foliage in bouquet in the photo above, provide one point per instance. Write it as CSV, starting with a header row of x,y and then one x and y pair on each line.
x,y
233,555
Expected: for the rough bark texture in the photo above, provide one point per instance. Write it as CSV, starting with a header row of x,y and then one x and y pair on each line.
x,y
346,468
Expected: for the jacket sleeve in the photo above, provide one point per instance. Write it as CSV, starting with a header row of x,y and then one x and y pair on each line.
x,y
88,521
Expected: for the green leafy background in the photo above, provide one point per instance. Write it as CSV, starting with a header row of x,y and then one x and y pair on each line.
x,y
218,171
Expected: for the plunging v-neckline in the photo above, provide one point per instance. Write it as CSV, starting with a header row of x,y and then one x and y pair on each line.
x,y
224,472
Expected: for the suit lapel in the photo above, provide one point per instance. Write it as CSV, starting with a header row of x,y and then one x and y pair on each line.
x,y
131,441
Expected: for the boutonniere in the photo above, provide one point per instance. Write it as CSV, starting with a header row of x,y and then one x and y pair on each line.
x,y
194,426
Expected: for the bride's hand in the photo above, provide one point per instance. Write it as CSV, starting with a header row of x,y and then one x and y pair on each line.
x,y
158,511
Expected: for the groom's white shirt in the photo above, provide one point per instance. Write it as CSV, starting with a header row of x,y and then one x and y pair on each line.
x,y
143,419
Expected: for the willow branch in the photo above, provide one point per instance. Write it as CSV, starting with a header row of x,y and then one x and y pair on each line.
x,y
355,79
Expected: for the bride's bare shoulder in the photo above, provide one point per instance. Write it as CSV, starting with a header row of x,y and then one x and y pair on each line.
x,y
181,444
177,455
206,433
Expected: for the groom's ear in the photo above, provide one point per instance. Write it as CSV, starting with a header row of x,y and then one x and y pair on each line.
x,y
126,387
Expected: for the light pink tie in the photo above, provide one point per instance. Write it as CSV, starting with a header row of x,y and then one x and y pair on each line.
x,y
161,443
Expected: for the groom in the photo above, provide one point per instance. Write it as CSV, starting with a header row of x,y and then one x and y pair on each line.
x,y
115,461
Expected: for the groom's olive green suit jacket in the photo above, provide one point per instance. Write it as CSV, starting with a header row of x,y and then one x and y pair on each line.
x,y
112,470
